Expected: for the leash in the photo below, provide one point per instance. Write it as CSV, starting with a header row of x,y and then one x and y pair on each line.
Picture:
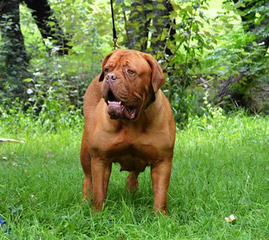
x,y
115,45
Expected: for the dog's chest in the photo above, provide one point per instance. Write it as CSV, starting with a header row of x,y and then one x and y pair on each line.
x,y
132,151
133,157
134,148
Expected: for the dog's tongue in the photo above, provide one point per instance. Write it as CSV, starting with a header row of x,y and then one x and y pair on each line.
x,y
115,110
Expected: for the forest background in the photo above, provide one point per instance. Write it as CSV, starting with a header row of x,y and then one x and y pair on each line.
x,y
214,53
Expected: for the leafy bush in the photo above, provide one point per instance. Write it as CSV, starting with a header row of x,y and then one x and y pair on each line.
x,y
67,76
51,115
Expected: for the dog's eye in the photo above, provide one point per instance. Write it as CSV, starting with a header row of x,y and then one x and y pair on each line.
x,y
131,72
106,70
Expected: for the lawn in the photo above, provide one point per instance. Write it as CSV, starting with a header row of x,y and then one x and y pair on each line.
x,y
221,167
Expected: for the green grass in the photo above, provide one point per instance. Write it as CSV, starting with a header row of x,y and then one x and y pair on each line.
x,y
221,167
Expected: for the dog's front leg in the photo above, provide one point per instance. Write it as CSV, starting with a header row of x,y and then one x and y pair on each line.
x,y
106,177
100,177
160,175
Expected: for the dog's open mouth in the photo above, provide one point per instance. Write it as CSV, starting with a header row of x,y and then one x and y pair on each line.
x,y
117,109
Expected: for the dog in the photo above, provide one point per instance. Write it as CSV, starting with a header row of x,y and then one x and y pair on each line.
x,y
128,120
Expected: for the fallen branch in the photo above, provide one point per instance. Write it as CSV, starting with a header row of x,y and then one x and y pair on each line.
x,y
10,140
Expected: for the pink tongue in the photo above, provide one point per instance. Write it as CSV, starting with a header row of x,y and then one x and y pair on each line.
x,y
115,110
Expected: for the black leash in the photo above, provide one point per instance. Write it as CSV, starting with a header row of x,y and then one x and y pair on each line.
x,y
114,29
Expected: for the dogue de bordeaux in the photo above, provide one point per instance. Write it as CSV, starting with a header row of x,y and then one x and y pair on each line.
x,y
128,120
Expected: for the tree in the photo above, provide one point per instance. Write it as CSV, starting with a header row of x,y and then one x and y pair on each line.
x,y
137,27
163,28
150,16
48,25
16,59
176,36
253,76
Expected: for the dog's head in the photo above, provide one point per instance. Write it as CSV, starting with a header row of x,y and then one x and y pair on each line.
x,y
130,81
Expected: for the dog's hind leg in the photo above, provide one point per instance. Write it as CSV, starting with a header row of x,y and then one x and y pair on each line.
x,y
132,181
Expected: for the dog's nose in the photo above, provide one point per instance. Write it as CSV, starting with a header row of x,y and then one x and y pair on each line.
x,y
111,77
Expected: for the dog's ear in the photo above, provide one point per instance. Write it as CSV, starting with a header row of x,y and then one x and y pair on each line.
x,y
157,76
101,78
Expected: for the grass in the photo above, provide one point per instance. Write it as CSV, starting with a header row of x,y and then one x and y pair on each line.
x,y
220,168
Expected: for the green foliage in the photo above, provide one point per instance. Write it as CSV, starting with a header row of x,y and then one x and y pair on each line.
x,y
195,41
190,42
47,114
56,81
177,40
238,51
71,73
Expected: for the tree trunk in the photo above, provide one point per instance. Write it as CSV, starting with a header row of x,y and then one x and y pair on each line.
x,y
11,34
137,25
163,29
47,24
16,59
137,28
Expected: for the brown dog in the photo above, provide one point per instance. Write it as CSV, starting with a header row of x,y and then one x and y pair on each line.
x,y
127,120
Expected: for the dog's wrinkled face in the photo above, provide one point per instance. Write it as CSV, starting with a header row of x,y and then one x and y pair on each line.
x,y
130,79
